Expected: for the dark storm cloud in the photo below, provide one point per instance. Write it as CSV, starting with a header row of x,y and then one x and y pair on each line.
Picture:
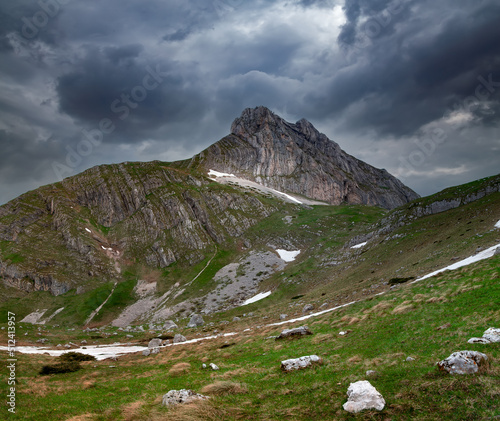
x,y
368,72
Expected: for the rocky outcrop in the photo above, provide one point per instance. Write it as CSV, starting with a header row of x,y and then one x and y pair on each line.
x,y
490,336
296,158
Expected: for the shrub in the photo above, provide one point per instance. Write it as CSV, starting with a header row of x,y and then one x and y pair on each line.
x,y
75,356
64,367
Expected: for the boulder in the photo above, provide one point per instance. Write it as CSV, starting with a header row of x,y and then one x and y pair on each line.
x,y
176,397
493,333
213,366
196,320
146,352
294,333
178,338
154,343
463,362
298,363
283,316
307,308
169,325
155,350
362,395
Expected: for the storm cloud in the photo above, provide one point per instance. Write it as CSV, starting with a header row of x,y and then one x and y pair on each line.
x,y
410,86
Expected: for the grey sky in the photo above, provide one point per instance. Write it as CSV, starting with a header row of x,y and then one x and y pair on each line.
x,y
410,86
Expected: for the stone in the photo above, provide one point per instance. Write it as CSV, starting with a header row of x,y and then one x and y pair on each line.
x,y
299,363
307,308
84,342
146,352
196,320
294,333
169,325
409,359
362,395
178,338
155,350
176,397
213,366
283,316
236,319
463,362
371,373
203,366
492,334
154,343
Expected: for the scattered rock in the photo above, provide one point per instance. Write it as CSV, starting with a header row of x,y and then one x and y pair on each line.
x,y
155,350
294,333
154,343
362,395
491,335
298,363
178,338
213,366
203,366
169,325
146,352
445,326
409,359
371,373
175,397
307,308
236,319
84,342
196,320
463,362
283,316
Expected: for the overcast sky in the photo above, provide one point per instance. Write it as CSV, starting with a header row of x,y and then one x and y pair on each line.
x,y
410,86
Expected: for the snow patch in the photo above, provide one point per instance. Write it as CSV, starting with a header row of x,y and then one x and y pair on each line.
x,y
288,256
86,229
485,254
219,174
358,246
293,199
497,225
256,298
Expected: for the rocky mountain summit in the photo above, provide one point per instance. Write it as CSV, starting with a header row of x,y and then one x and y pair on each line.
x,y
296,158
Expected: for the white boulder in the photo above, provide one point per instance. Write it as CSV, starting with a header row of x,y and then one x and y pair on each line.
x,y
175,397
490,336
298,363
362,395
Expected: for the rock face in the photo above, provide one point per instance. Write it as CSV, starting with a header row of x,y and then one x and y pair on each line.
x,y
299,363
294,333
195,321
296,158
362,395
463,362
176,397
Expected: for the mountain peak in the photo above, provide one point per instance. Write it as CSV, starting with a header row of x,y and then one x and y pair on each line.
x,y
297,158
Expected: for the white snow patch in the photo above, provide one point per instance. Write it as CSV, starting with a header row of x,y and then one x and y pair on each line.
x,y
358,246
100,352
288,256
293,199
485,254
256,298
497,225
220,174
86,229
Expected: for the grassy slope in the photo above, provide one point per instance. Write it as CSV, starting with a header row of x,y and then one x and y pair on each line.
x,y
383,332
